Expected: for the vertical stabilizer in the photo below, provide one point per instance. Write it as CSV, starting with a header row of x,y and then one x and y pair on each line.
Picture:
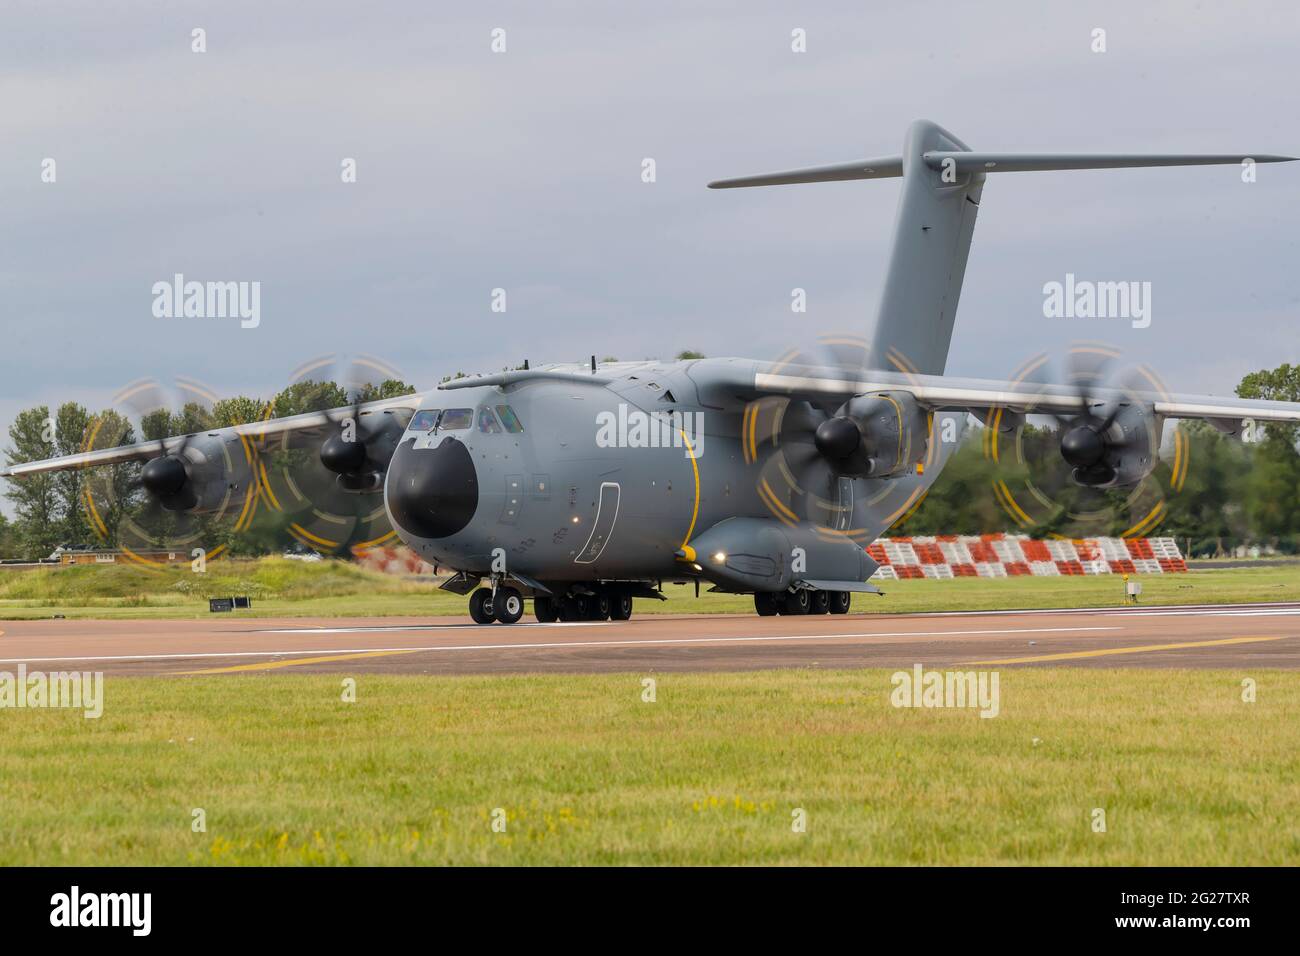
x,y
932,235
942,182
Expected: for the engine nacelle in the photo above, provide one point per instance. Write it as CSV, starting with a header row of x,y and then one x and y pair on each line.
x,y
1116,449
201,476
877,435
359,454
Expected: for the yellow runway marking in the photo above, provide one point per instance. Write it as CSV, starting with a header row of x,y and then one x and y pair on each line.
x,y
272,665
1105,652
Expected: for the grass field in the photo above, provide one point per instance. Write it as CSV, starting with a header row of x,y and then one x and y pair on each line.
x,y
282,588
709,773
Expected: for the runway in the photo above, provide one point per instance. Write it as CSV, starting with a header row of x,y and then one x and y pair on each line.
x,y
1237,636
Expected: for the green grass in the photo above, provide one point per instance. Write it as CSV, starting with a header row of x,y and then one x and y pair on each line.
x,y
282,588
586,772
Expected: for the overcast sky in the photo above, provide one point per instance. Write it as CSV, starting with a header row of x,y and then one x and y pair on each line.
x,y
522,170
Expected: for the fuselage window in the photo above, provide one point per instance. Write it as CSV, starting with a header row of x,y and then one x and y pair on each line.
x,y
424,419
510,419
456,419
487,422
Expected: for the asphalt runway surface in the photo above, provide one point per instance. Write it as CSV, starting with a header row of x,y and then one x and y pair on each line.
x,y
1237,636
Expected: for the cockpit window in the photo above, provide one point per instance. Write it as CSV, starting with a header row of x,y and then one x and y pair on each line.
x,y
510,419
424,419
456,419
487,422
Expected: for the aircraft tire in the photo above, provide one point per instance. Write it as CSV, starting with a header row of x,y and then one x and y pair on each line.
x,y
820,602
508,608
480,606
766,603
620,607
796,602
840,601
571,609
545,611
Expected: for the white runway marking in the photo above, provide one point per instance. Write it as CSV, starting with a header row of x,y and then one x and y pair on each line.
x,y
551,645
1271,609
386,628
1220,612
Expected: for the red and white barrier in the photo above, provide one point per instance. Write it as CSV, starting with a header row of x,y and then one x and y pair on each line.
x,y
1003,556
395,560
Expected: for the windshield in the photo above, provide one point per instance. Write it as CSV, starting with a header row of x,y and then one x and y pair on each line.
x,y
456,419
510,419
424,419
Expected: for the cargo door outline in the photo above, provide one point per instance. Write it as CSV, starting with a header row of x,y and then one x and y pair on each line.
x,y
602,530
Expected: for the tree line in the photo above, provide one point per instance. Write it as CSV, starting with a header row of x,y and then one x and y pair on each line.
x,y
1235,493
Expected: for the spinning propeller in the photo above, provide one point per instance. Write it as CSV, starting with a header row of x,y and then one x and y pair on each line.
x,y
1107,448
328,481
183,498
824,462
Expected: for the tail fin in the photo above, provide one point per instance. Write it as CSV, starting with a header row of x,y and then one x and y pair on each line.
x,y
942,182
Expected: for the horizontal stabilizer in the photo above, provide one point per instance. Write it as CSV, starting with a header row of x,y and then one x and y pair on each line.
x,y
886,167
971,162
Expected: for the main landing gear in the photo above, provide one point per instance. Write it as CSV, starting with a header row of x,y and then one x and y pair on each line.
x,y
506,606
604,605
768,603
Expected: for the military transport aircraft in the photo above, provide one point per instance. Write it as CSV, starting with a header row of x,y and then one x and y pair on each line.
x,y
585,486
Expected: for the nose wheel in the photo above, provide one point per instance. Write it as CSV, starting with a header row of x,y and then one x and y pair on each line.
x,y
506,607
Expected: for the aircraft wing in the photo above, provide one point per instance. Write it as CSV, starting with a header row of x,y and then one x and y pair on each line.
x,y
293,431
943,393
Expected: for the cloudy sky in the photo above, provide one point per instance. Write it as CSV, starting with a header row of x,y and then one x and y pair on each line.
x,y
522,170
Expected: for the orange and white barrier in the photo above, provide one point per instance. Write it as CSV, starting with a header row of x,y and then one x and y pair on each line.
x,y
1006,556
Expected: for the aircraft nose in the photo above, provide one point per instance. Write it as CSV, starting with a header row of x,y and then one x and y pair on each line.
x,y
432,492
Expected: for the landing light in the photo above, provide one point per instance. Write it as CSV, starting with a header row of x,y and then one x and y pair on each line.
x,y
720,557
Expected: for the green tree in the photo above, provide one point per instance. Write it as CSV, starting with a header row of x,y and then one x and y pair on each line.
x,y
112,489
240,410
8,539
156,425
72,425
309,396
686,354
192,419
1272,487
35,498
388,388
1208,510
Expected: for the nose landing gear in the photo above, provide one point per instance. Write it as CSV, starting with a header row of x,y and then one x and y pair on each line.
x,y
505,606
